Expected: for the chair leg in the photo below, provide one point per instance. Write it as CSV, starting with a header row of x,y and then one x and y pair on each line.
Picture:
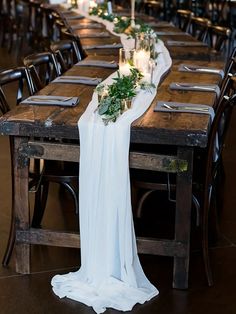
x,y
205,248
141,202
12,233
74,194
10,243
40,204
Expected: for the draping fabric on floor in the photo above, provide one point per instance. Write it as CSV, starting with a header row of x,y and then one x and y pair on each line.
x,y
110,275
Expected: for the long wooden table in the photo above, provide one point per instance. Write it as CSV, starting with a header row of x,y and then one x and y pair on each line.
x,y
183,131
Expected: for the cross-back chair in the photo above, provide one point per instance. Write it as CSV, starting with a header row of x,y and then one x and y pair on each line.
x,y
12,22
42,67
43,172
199,28
67,53
220,40
183,19
69,35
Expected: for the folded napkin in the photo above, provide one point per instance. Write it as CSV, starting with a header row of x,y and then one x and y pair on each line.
x,y
200,69
95,35
49,100
168,106
56,1
177,43
78,80
98,63
115,45
160,24
86,26
171,33
197,87
75,17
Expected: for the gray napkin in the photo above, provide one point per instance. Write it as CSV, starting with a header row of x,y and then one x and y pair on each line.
x,y
196,87
75,17
177,43
171,33
168,106
95,35
160,24
86,26
200,69
49,100
98,63
111,46
78,80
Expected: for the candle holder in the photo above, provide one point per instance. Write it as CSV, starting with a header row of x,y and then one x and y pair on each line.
x,y
142,52
126,60
125,104
132,13
74,4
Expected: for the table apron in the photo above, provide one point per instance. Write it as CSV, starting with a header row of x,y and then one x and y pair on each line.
x,y
70,152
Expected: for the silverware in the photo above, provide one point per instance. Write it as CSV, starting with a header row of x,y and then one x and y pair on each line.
x,y
49,99
201,69
175,107
187,86
78,78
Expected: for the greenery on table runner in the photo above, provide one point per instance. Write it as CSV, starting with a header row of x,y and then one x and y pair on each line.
x,y
122,24
113,97
101,11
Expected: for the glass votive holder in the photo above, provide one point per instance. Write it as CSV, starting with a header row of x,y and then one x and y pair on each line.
x,y
152,44
148,75
126,61
142,42
102,91
141,60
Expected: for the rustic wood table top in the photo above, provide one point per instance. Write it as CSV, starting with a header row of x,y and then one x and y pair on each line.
x,y
152,127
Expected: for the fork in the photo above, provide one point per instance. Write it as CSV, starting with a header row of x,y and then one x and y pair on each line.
x,y
209,88
200,69
78,78
50,99
175,107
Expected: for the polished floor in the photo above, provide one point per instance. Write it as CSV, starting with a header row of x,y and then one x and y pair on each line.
x,y
32,294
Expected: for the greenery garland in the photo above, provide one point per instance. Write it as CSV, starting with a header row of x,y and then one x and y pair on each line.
x,y
125,88
122,24
112,98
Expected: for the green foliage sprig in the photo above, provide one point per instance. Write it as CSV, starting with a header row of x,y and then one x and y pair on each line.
x,y
101,11
124,88
122,24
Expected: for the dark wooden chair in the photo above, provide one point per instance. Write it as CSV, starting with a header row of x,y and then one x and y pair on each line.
x,y
13,28
67,53
42,173
204,185
220,41
69,35
43,68
183,19
35,24
199,28
15,85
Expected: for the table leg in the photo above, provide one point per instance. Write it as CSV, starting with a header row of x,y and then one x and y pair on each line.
x,y
21,204
183,219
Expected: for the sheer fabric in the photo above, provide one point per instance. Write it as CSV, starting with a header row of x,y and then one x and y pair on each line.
x,y
110,275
